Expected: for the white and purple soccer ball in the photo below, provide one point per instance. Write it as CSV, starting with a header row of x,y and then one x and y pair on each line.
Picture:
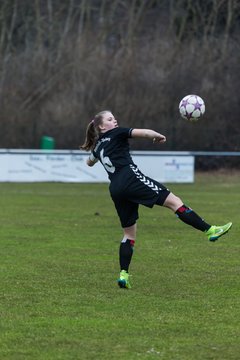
x,y
191,107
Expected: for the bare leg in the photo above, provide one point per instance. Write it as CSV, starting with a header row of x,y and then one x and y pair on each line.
x,y
173,202
130,232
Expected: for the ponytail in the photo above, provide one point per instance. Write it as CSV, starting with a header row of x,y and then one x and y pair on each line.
x,y
91,137
92,132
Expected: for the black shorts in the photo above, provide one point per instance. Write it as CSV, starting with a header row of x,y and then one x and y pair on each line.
x,y
130,188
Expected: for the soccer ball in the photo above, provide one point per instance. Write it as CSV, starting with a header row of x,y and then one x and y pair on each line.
x,y
192,107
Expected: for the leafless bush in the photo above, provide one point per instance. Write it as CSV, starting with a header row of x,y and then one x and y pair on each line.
x,y
62,61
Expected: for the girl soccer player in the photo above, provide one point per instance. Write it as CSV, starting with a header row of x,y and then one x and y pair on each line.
x,y
129,187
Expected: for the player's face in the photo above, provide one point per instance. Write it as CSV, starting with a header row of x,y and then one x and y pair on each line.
x,y
108,122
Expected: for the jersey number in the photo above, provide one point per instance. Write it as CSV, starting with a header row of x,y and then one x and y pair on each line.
x,y
107,162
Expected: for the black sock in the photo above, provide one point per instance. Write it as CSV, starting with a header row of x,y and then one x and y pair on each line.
x,y
125,254
188,216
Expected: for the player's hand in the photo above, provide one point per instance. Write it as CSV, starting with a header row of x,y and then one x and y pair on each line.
x,y
159,139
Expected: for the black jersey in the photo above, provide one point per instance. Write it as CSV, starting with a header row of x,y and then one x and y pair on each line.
x,y
128,187
112,149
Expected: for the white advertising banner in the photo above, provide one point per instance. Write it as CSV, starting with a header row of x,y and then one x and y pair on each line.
x,y
165,167
70,166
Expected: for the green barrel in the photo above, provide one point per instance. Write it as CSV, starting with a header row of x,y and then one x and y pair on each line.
x,y
47,143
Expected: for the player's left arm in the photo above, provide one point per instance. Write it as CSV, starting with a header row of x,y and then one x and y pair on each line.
x,y
149,134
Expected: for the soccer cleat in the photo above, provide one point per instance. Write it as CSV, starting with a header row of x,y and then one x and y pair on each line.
x,y
216,231
123,281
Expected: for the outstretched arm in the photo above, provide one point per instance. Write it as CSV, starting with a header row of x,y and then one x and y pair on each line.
x,y
149,134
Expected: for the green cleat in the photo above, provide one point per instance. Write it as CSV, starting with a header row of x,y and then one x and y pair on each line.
x,y
123,281
216,231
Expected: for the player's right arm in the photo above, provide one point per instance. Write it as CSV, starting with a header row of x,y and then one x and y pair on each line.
x,y
91,160
147,133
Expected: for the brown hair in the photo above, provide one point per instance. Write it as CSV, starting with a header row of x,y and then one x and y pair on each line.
x,y
93,131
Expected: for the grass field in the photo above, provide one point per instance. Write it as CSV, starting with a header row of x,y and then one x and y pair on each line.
x,y
59,265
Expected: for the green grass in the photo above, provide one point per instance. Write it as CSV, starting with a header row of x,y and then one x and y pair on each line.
x,y
59,265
